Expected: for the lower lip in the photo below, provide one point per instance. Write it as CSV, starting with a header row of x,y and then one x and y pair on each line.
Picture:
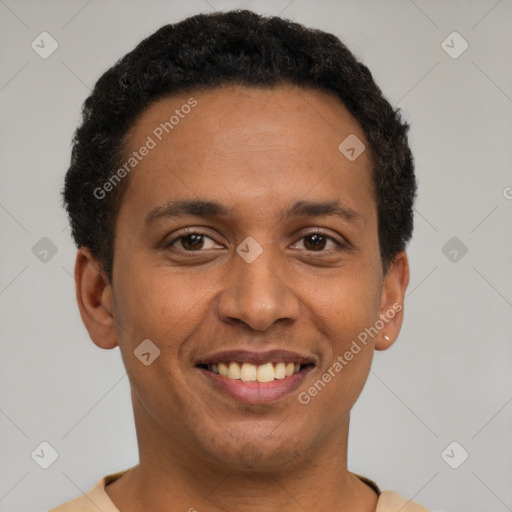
x,y
257,392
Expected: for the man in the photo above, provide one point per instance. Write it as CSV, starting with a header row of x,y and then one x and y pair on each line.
x,y
241,196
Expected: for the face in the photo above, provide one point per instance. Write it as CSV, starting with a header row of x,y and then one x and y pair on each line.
x,y
246,236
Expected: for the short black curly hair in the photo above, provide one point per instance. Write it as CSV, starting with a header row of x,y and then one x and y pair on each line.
x,y
236,47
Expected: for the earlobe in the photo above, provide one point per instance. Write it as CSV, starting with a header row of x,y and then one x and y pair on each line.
x,y
94,297
383,342
392,301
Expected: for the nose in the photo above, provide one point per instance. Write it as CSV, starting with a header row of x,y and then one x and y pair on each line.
x,y
258,293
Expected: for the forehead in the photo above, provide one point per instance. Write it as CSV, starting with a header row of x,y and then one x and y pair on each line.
x,y
309,113
260,143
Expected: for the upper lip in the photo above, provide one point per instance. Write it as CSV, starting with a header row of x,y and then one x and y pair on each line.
x,y
247,356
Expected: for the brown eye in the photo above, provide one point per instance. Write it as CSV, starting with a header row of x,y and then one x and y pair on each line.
x,y
192,242
315,242
320,242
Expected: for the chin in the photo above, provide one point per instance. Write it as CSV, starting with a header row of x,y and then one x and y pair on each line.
x,y
251,452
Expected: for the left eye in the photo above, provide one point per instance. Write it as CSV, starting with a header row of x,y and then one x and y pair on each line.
x,y
318,241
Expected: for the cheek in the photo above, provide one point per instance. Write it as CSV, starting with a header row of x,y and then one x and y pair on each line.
x,y
348,305
348,299
345,310
158,302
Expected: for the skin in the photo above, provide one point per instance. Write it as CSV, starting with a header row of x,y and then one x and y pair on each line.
x,y
257,151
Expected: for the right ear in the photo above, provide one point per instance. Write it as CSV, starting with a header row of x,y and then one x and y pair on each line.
x,y
94,297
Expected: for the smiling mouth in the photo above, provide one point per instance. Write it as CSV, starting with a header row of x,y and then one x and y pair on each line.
x,y
248,372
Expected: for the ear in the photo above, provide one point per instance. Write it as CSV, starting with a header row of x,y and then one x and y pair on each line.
x,y
392,301
94,297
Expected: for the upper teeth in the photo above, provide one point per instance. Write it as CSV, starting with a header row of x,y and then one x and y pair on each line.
x,y
248,372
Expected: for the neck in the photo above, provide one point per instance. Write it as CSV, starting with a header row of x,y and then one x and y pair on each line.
x,y
172,475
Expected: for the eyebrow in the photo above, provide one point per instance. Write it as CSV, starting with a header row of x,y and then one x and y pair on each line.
x,y
208,209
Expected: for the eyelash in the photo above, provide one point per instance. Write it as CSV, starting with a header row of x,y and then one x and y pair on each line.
x,y
186,233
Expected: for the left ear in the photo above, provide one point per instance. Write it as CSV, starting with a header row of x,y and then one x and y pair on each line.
x,y
392,301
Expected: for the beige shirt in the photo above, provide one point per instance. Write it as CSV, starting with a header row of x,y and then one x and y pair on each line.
x,y
97,499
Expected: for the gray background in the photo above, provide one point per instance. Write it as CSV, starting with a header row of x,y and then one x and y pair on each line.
x,y
448,378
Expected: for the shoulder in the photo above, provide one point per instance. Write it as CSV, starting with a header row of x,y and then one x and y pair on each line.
x,y
94,500
390,501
